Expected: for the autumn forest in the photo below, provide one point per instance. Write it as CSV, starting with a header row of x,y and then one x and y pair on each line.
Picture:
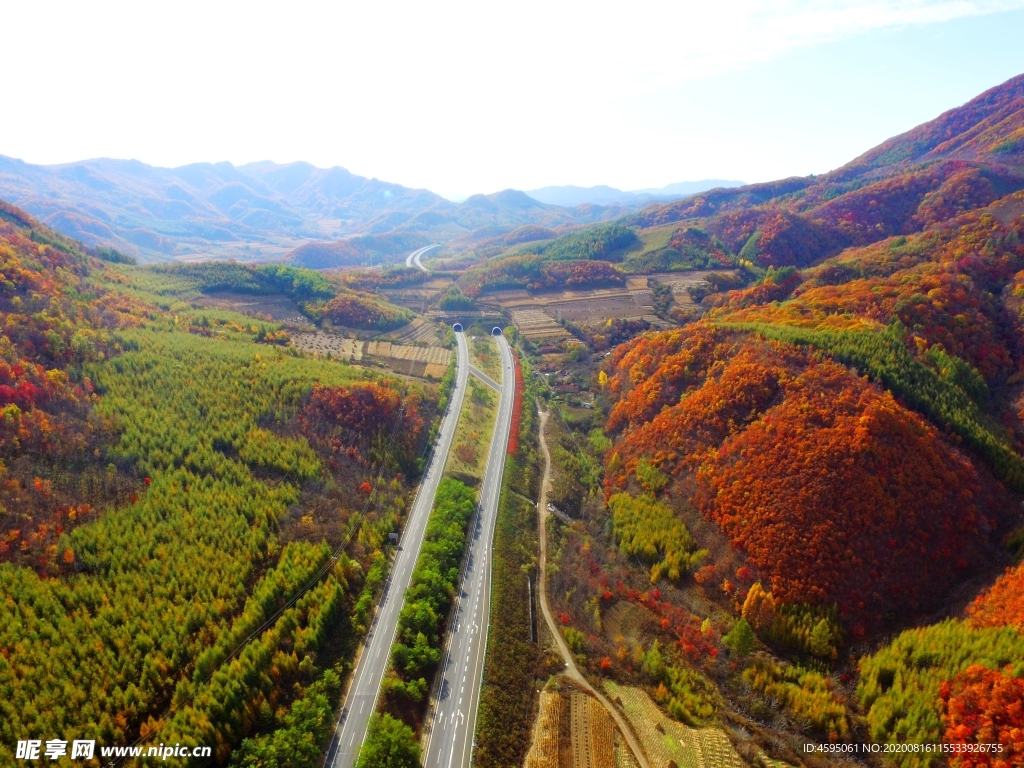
x,y
779,431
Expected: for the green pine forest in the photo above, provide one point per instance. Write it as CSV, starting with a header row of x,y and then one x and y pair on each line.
x,y
211,580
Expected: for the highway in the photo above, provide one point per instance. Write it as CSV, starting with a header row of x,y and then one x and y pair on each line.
x,y
361,699
485,378
453,724
415,256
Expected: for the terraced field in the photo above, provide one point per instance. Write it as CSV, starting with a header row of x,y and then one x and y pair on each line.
x,y
665,741
425,362
417,297
538,326
680,281
623,757
573,730
275,307
419,331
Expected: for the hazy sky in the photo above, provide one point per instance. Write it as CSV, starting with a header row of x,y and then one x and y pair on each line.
x,y
464,97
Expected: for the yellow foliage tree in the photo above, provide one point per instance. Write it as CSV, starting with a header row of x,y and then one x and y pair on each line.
x,y
759,608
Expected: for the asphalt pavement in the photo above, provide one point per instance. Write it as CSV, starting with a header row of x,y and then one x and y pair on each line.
x,y
414,257
453,723
361,699
485,378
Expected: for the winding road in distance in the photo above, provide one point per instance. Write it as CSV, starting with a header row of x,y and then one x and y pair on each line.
x,y
453,724
415,256
361,699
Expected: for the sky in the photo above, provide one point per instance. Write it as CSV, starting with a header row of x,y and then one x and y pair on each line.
x,y
465,97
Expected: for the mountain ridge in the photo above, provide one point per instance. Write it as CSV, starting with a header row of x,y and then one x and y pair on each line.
x,y
260,210
571,195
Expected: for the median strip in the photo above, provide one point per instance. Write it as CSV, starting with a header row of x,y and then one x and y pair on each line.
x,y
428,602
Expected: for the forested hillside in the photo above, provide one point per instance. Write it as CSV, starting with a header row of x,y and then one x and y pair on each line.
x,y
813,492
316,297
316,217
966,159
786,422
193,524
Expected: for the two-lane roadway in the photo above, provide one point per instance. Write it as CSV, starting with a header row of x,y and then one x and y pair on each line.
x,y
454,719
415,256
361,699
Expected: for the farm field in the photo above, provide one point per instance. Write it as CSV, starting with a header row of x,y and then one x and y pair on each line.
x,y
655,238
419,331
422,362
665,741
536,314
417,297
591,732
425,362
679,281
544,744
573,730
583,308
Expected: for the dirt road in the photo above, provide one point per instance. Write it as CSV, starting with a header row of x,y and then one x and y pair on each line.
x,y
570,665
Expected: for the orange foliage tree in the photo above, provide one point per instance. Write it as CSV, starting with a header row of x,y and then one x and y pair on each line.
x,y
361,421
355,310
770,440
983,706
944,286
1003,604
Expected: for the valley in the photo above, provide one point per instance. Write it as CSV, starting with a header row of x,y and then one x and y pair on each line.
x,y
730,479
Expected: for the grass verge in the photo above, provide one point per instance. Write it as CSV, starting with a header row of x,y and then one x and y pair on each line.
x,y
468,457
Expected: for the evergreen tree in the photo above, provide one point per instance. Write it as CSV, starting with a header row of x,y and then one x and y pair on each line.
x,y
740,638
390,743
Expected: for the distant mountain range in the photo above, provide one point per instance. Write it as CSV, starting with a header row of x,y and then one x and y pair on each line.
x,y
265,210
604,195
204,209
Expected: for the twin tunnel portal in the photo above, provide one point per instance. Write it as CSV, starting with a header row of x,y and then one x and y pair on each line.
x,y
451,723
457,327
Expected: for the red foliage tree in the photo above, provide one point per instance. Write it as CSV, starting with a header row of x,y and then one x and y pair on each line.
x,y
982,706
517,408
943,287
771,439
349,421
55,316
963,191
